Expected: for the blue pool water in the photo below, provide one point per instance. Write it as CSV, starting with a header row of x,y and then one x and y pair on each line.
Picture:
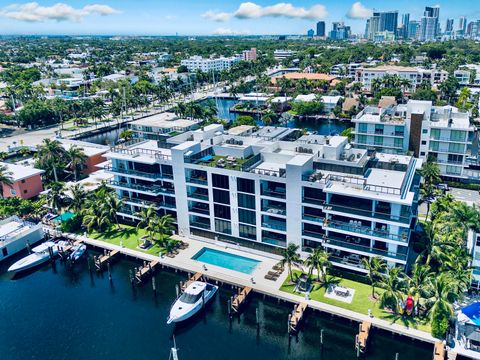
x,y
473,312
226,260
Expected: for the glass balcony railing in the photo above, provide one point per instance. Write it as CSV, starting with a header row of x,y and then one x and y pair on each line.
x,y
136,173
198,195
273,193
404,218
197,180
365,230
313,201
151,189
199,210
200,224
147,203
366,249
314,234
313,218
274,210
275,225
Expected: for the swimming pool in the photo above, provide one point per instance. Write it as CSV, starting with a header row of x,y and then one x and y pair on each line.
x,y
473,312
226,260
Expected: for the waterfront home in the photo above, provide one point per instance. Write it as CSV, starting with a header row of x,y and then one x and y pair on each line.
x,y
26,181
272,188
95,153
15,234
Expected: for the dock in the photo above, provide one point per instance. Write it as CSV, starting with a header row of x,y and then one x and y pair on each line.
x,y
361,340
196,277
439,351
296,317
146,269
239,299
107,256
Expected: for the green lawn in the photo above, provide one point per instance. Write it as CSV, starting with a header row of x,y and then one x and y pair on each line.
x,y
361,301
128,235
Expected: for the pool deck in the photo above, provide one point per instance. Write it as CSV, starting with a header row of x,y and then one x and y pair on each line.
x,y
256,280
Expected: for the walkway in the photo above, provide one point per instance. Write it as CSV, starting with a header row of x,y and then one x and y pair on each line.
x,y
256,280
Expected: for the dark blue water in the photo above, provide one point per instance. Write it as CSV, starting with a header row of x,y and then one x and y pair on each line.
x,y
63,313
322,126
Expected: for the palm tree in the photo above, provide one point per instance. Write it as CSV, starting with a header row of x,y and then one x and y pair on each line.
x,y
49,154
441,295
394,285
418,282
126,134
6,178
464,216
375,266
76,160
111,207
54,197
148,221
164,226
78,198
291,258
318,260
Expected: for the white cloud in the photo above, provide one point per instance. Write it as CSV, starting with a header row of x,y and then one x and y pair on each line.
x,y
226,31
34,12
250,10
216,16
358,11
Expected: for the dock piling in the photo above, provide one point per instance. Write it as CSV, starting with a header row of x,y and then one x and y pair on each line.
x,y
109,272
257,317
154,285
321,336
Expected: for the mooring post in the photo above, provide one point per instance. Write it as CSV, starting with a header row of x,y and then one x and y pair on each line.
x,y
130,275
321,336
154,286
109,271
289,320
257,317
177,290
229,304
396,356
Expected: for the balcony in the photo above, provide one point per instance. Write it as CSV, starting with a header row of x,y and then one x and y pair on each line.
x,y
365,249
197,180
200,224
273,210
313,201
405,218
275,225
147,203
198,195
148,189
365,230
273,241
135,173
313,234
313,218
125,210
199,209
273,193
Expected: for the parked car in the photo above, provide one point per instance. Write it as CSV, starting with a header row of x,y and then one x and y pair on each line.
x,y
443,187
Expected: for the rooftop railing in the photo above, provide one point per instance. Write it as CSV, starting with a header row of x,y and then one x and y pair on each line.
x,y
128,149
361,184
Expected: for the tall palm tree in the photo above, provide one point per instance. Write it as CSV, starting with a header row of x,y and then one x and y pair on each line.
x,y
148,221
76,160
375,266
464,216
111,207
318,260
54,197
441,295
50,153
164,226
418,282
6,178
79,196
394,285
291,257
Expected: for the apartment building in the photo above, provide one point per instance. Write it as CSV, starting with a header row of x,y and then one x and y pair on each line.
x,y
416,76
345,70
249,55
195,63
161,126
283,54
275,187
382,129
441,133
473,246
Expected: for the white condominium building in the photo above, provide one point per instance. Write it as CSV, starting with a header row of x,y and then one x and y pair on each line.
x,y
440,133
195,63
275,187
415,76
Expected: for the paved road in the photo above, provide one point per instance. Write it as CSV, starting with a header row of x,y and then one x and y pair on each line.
x,y
469,196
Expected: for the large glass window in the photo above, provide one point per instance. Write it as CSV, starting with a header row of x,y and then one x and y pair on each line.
x,y
223,226
248,232
398,142
378,140
457,135
220,181
246,185
435,134
221,211
362,139
434,145
246,201
221,196
362,128
456,148
247,216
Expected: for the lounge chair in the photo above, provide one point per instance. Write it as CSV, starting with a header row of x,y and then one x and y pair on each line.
x,y
270,277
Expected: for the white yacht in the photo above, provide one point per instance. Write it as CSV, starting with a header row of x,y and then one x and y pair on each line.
x,y
195,296
39,255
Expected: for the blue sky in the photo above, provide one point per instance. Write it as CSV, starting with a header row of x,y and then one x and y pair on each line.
x,y
197,17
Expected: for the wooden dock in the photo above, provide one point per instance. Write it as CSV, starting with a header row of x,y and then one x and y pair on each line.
x,y
296,317
107,256
146,269
439,351
192,279
361,340
239,299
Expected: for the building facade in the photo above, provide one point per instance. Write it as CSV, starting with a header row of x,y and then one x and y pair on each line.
x,y
273,188
195,63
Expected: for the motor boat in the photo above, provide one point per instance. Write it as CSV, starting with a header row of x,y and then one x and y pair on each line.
x,y
77,252
39,255
195,296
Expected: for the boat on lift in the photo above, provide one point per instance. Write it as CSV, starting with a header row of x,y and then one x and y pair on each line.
x,y
39,255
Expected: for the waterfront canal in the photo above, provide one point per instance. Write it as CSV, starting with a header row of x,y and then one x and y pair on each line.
x,y
59,313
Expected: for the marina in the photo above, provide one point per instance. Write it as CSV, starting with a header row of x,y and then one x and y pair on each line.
x,y
98,332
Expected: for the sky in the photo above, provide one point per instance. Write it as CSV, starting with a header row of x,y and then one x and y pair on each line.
x,y
199,17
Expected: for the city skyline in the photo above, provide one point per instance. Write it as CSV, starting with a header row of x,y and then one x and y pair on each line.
x,y
147,17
